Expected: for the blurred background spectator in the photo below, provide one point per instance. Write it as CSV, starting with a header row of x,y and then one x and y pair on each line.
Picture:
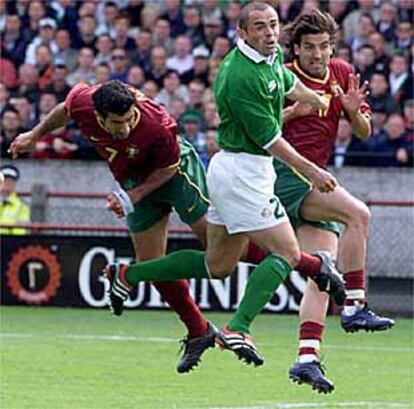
x,y
171,51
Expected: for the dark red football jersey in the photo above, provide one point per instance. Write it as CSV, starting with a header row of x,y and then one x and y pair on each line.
x,y
152,143
313,136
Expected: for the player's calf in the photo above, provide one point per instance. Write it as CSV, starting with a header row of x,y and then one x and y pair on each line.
x,y
119,289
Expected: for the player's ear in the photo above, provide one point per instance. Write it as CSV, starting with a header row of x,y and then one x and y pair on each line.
x,y
241,33
295,50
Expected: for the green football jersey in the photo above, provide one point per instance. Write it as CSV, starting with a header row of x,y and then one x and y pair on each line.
x,y
250,91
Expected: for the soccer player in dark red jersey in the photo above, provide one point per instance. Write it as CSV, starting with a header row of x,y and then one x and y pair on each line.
x,y
312,133
157,169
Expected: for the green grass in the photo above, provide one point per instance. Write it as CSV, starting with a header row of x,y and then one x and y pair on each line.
x,y
55,358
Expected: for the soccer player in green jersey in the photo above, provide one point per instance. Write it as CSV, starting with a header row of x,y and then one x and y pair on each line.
x,y
250,90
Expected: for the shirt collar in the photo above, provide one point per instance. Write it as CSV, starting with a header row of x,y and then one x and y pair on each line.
x,y
253,54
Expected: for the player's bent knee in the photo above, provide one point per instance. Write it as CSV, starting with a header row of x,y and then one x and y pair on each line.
x,y
292,256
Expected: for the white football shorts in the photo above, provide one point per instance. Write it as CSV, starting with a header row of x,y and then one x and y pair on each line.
x,y
241,191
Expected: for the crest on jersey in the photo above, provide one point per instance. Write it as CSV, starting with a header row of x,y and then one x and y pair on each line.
x,y
132,151
272,85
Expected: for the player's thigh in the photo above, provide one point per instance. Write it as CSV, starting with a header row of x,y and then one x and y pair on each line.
x,y
152,242
339,206
313,239
291,187
224,250
280,240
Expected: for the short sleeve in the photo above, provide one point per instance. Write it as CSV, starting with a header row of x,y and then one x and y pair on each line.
x,y
74,98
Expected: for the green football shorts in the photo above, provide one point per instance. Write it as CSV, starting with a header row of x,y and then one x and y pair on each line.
x,y
186,192
291,188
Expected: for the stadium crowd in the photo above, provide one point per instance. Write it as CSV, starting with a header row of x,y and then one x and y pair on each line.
x,y
171,50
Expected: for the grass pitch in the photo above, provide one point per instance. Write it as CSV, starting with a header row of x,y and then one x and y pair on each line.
x,y
60,358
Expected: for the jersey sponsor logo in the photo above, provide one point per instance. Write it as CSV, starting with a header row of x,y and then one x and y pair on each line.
x,y
272,85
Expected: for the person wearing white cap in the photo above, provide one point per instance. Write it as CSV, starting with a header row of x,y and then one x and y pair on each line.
x,y
12,209
47,31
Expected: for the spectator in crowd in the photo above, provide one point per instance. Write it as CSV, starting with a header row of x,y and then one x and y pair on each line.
x,y
65,14
365,62
8,73
35,12
400,78
200,67
161,36
26,111
182,59
111,12
379,95
28,83
122,38
172,89
119,64
232,15
85,71
196,90
104,46
378,117
12,209
13,46
405,10
210,115
11,126
352,20
158,65
213,27
102,73
136,76
338,9
211,146
142,53
44,66
408,114
348,149
85,36
59,86
174,16
386,19
403,35
344,52
47,30
65,54
211,10
366,27
193,26
382,59
150,89
87,8
191,130
221,47
177,108
288,10
134,10
149,16
393,147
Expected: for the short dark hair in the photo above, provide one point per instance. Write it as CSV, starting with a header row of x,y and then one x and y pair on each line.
x,y
246,10
315,22
113,97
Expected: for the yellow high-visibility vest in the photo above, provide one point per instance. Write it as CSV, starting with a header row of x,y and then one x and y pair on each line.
x,y
13,211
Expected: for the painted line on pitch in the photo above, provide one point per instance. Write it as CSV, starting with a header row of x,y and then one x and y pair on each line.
x,y
121,337
306,405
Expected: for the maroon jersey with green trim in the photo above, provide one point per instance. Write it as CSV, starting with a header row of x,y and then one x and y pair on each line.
x,y
152,143
313,136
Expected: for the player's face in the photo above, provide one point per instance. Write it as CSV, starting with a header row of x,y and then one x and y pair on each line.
x,y
314,53
120,126
262,32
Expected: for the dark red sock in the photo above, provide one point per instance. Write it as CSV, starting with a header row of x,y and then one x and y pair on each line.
x,y
177,295
310,337
255,254
308,266
355,287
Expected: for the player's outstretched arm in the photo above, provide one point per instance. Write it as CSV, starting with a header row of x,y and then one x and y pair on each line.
x,y
322,179
25,142
304,94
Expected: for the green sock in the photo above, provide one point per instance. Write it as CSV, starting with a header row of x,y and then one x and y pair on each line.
x,y
262,284
174,266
